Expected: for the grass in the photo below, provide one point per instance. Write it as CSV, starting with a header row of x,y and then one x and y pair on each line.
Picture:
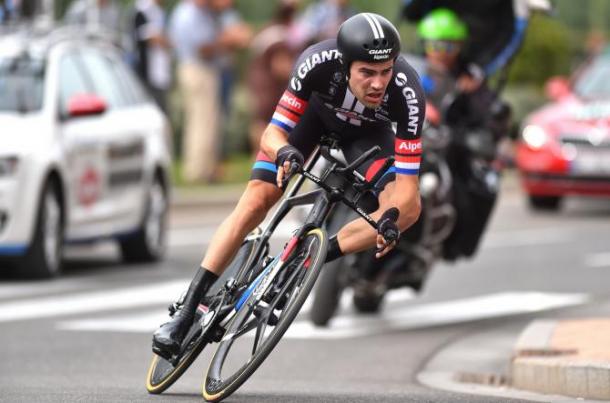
x,y
234,170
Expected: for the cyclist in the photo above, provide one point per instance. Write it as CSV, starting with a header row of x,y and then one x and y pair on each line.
x,y
358,87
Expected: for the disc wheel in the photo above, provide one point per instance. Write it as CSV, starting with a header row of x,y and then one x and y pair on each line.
x,y
256,328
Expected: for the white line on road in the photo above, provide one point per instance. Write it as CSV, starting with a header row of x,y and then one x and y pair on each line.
x,y
527,237
499,239
598,260
396,317
159,293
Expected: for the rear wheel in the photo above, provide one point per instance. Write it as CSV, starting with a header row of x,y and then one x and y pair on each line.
x,y
162,373
44,256
256,328
545,203
148,243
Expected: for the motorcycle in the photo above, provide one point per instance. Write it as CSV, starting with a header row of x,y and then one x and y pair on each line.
x,y
458,166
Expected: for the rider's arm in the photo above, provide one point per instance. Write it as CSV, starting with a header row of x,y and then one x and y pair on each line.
x,y
272,140
505,50
403,194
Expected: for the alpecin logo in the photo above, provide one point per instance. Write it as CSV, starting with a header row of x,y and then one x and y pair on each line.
x,y
410,146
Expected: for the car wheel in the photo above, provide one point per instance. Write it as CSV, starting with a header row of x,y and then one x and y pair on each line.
x,y
546,203
44,256
148,243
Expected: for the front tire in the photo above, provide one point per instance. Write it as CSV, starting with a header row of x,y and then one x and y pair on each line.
x,y
161,373
294,292
44,256
149,242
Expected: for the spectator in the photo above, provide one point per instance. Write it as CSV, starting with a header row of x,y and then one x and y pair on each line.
x,y
270,68
203,33
6,11
153,60
321,20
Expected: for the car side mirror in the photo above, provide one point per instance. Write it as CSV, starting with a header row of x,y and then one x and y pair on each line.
x,y
81,105
557,88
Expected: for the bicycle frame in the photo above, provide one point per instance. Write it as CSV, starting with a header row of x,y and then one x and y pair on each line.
x,y
322,199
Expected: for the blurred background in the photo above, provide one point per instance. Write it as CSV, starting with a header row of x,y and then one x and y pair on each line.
x,y
554,45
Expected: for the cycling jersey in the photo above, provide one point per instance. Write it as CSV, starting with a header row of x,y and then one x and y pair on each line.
x,y
318,100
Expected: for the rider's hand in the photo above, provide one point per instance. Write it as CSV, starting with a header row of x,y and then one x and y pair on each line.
x,y
289,161
387,232
468,84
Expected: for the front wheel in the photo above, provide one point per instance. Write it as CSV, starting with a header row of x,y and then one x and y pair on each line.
x,y
258,325
162,373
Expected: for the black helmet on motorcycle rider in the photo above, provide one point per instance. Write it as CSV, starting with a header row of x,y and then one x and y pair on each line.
x,y
369,38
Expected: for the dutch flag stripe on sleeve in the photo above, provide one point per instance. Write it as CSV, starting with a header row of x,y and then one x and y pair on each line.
x,y
408,156
289,111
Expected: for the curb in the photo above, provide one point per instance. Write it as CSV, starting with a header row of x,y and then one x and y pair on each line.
x,y
543,364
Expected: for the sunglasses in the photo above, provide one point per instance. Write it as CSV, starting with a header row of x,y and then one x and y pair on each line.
x,y
442,46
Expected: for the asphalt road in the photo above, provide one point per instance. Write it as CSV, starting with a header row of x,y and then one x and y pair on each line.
x,y
86,337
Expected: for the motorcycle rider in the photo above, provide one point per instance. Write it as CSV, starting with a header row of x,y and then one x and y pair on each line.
x,y
477,107
497,30
358,87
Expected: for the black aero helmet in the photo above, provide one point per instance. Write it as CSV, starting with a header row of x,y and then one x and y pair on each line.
x,y
367,37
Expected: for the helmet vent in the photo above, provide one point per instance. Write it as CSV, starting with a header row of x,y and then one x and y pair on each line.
x,y
366,46
384,43
375,42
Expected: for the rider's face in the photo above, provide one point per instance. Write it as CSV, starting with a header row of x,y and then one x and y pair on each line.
x,y
368,81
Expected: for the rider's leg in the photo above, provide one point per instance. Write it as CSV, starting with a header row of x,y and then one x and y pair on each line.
x,y
250,211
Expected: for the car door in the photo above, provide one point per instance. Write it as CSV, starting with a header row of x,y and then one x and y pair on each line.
x,y
125,143
85,140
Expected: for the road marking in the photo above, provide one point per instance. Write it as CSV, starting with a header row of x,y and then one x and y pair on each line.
x,y
202,235
503,239
398,315
528,237
598,260
158,293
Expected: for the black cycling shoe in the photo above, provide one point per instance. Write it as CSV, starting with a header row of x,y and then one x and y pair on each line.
x,y
168,338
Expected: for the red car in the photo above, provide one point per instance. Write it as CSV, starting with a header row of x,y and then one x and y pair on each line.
x,y
564,147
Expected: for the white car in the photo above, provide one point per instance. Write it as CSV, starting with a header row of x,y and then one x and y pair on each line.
x,y
84,153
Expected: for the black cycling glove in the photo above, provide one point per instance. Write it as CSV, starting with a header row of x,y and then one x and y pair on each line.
x,y
387,227
294,156
289,153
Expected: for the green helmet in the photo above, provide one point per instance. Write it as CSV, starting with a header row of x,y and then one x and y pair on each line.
x,y
442,24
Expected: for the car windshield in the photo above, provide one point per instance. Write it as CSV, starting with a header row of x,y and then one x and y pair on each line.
x,y
593,83
21,84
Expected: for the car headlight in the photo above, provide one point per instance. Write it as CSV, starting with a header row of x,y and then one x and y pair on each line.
x,y
8,166
534,136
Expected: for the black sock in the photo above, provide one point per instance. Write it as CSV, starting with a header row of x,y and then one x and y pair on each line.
x,y
202,282
334,251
